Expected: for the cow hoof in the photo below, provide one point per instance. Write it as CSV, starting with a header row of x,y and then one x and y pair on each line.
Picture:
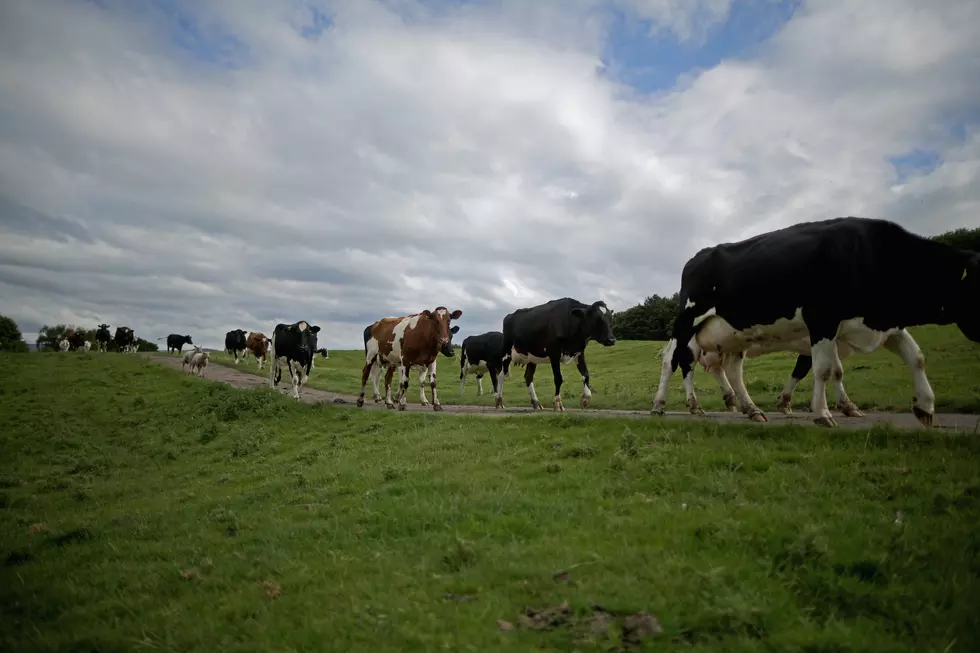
x,y
923,417
436,406
584,403
536,405
559,406
389,406
850,410
697,410
360,402
758,417
401,406
498,403
829,422
730,402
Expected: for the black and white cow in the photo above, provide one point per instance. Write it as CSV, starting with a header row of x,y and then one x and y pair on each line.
x,y
125,339
843,282
235,343
102,338
176,342
294,346
480,354
555,332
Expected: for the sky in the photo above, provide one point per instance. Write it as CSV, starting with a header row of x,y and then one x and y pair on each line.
x,y
196,166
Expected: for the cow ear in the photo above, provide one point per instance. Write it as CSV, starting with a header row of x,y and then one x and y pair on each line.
x,y
315,329
455,315
427,314
455,329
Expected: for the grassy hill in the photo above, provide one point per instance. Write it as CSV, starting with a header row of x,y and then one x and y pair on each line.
x,y
626,376
143,509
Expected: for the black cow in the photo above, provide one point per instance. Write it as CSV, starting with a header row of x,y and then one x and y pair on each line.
x,y
293,345
76,339
801,288
125,339
555,332
235,343
480,354
102,337
322,351
176,342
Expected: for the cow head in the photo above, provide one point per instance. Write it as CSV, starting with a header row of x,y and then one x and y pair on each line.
x,y
188,340
444,334
104,327
305,336
597,323
313,345
968,318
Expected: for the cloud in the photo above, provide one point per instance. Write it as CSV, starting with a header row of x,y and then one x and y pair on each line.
x,y
197,167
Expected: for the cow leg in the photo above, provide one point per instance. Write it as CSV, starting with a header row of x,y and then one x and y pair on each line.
x,y
675,356
556,371
529,380
727,393
583,369
462,372
388,376
402,385
479,384
826,366
432,385
365,373
295,375
422,400
924,403
733,369
800,370
375,376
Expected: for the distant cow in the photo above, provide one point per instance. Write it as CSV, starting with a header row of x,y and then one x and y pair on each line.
x,y
176,342
802,283
198,359
75,339
555,332
86,346
63,344
125,339
292,345
235,343
478,354
410,341
258,345
102,338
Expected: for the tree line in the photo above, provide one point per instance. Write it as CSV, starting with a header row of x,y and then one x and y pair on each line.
x,y
653,319
48,337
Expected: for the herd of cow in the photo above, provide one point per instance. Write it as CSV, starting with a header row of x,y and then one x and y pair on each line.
x,y
824,289
125,340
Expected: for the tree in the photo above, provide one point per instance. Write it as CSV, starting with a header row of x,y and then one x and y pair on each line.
x,y
651,320
963,238
11,339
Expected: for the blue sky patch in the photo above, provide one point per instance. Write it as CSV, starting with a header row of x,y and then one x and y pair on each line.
x,y
653,63
915,162
320,21
206,43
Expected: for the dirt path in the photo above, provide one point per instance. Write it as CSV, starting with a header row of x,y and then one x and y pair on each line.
x,y
237,379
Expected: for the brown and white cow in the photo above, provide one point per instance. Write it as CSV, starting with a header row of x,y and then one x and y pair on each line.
x,y
258,345
410,341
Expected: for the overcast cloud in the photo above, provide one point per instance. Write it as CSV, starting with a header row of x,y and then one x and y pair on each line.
x,y
195,167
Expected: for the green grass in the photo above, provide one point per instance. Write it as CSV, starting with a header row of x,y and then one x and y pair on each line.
x,y
143,509
626,376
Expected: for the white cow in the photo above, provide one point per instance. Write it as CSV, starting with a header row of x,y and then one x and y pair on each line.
x,y
86,346
63,344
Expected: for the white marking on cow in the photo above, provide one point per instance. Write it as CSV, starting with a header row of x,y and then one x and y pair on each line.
x,y
86,345
432,383
534,395
518,358
701,318
302,326
398,336
603,310
719,336
688,304
63,345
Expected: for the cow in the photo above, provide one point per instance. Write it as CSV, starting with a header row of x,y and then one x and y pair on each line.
x,y
235,343
258,345
322,351
86,346
176,342
716,364
63,344
555,332
407,342
805,282
292,345
102,338
125,339
75,339
198,359
480,354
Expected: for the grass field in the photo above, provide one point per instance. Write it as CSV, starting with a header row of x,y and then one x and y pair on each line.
x,y
143,509
626,376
